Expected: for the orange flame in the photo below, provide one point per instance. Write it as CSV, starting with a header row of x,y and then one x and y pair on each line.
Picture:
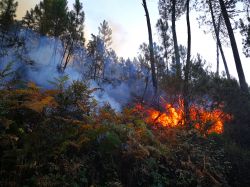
x,y
173,116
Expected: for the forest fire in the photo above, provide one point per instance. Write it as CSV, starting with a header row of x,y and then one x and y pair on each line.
x,y
207,121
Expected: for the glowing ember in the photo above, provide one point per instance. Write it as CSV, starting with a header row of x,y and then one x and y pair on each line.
x,y
173,116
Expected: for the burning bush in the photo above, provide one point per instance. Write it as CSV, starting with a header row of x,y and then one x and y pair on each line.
x,y
207,121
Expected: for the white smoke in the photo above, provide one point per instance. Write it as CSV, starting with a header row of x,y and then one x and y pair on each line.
x,y
39,60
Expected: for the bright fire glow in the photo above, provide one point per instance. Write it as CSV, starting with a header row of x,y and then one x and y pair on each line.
x,y
207,121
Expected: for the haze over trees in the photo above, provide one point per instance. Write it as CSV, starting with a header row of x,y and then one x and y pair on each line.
x,y
74,113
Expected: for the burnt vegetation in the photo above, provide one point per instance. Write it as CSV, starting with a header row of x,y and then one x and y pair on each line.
x,y
166,118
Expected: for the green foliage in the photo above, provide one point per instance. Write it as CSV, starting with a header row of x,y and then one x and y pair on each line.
x,y
8,27
76,101
96,51
59,138
7,13
234,142
105,33
73,37
236,133
51,16
227,93
60,82
245,31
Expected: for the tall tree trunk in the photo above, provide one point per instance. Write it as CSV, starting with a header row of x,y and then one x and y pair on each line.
x,y
217,47
151,47
222,52
176,46
217,31
217,59
187,69
64,53
243,83
70,51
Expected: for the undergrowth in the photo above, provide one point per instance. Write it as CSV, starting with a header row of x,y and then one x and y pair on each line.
x,y
61,138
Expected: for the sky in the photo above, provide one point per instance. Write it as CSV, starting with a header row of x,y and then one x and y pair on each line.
x,y
128,23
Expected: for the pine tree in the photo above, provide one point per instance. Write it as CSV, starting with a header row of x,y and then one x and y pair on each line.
x,y
218,41
166,41
8,28
186,89
7,13
96,53
105,33
213,21
234,47
151,48
160,65
73,38
245,28
55,17
28,20
245,31
49,17
79,18
172,10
